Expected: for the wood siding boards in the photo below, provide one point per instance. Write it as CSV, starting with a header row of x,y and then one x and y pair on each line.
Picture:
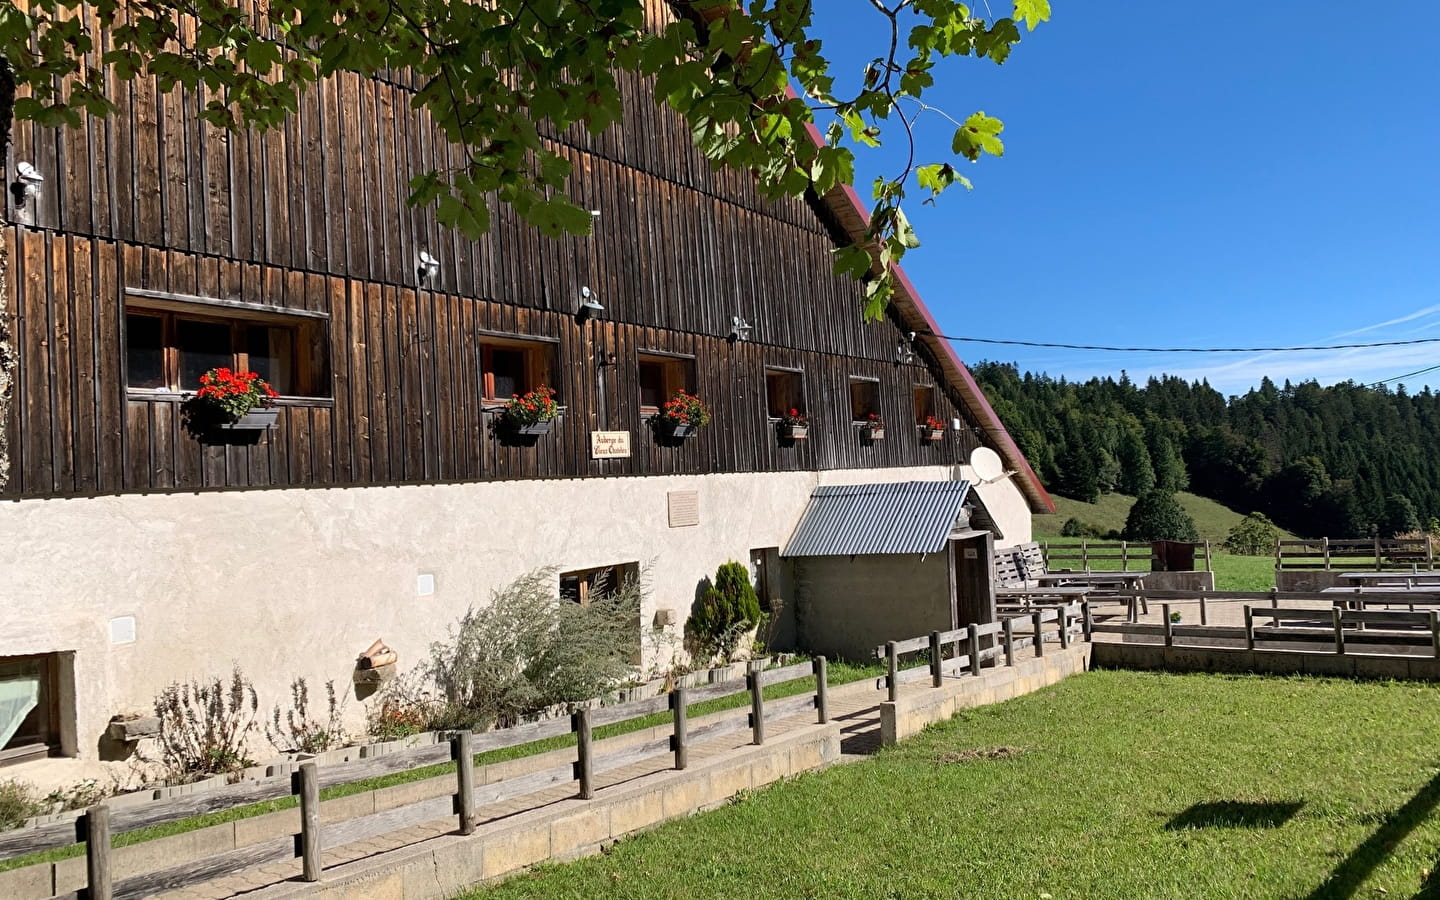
x,y
313,217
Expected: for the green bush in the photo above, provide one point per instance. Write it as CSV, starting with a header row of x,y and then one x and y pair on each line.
x,y
1073,527
1255,535
17,803
725,611
527,650
1158,516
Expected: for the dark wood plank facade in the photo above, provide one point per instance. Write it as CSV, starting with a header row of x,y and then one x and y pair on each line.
x,y
313,217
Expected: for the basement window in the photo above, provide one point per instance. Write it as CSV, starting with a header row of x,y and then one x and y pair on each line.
x,y
513,366
661,377
583,585
29,707
784,391
168,349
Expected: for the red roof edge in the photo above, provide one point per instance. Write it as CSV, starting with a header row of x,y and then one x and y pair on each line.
x,y
847,205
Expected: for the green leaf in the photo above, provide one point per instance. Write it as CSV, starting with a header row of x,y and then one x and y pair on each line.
x,y
1032,12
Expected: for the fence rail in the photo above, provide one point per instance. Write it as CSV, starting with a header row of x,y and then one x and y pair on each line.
x,y
99,825
1384,555
1085,554
1005,638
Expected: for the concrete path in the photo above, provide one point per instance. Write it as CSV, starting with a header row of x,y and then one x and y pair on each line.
x,y
855,706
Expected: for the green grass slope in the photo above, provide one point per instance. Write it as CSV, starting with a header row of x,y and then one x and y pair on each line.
x,y
1214,520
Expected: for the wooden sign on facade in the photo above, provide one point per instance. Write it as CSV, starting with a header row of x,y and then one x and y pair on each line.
x,y
609,445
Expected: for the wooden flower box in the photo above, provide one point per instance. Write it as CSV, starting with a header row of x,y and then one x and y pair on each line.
x,y
931,435
258,419
535,427
795,432
872,433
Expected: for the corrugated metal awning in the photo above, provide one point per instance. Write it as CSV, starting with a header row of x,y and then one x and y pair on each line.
x,y
854,519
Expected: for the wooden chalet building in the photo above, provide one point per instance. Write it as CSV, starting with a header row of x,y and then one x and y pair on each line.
x,y
384,504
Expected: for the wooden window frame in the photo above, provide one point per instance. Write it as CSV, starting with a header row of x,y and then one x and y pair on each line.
x,y
677,374
874,385
586,577
309,344
929,405
783,372
539,364
50,698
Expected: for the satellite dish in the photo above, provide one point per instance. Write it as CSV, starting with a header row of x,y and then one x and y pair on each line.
x,y
986,464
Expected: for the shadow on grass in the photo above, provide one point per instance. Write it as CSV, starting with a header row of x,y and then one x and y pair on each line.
x,y
1350,874
1235,814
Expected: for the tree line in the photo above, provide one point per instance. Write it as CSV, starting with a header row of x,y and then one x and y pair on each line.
x,y
1338,461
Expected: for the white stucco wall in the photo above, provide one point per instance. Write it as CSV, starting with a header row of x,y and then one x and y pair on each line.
x,y
298,582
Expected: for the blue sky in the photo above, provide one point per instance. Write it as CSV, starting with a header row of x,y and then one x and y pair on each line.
x,y
1189,175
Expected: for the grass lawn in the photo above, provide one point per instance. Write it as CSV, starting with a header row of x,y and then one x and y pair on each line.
x,y
1111,784
1212,519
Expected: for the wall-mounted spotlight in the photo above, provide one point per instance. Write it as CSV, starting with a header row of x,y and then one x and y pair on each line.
x,y
739,329
28,181
589,306
427,267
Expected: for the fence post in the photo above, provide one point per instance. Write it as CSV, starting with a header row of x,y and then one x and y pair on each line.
x,y
310,820
1204,620
1207,556
1010,642
936,674
892,669
97,853
1274,598
1375,538
1124,556
1435,634
822,701
757,708
1335,616
461,750
973,633
585,757
680,740
1085,554
1039,635
1169,626
1325,551
1429,555
1088,622
1249,628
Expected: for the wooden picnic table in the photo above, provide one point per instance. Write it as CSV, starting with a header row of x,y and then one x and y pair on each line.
x,y
1401,580
1126,580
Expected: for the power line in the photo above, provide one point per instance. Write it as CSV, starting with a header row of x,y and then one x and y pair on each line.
x,y
1406,375
1043,344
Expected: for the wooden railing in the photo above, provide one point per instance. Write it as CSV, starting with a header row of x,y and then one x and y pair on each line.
x,y
99,825
1388,554
1005,638
1102,556
1343,616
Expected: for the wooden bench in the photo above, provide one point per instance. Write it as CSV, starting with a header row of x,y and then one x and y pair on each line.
x,y
1021,575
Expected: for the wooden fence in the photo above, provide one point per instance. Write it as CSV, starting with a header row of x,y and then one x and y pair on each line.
x,y
1102,556
99,825
1381,555
1351,617
1003,640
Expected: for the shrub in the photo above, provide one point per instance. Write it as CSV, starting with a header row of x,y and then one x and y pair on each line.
x,y
1073,527
528,650
1255,535
1158,516
302,734
204,725
17,803
725,611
